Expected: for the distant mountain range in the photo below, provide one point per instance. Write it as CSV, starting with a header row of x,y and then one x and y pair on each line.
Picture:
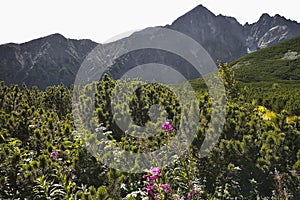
x,y
55,59
226,39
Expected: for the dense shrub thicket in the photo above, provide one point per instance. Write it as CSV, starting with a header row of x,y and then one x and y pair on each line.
x,y
256,157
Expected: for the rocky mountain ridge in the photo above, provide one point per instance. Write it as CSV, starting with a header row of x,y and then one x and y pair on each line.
x,y
226,39
55,59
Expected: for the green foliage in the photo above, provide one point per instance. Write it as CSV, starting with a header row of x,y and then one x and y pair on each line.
x,y
229,81
256,157
270,64
139,105
276,96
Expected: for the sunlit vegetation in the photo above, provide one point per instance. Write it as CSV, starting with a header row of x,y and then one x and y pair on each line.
x,y
256,157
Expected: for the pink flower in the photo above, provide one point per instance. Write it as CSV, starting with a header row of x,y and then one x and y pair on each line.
x,y
196,191
168,127
149,189
190,195
166,187
155,171
153,177
75,105
53,154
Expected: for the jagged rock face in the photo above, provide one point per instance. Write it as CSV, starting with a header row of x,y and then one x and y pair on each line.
x,y
269,31
54,59
226,39
46,61
223,37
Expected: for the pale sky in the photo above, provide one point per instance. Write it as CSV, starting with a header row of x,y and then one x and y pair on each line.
x,y
99,20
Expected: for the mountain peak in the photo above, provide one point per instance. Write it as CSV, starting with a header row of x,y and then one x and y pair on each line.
x,y
55,36
201,9
264,16
199,13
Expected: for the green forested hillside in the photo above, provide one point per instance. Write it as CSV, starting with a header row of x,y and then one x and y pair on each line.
x,y
270,77
43,157
277,63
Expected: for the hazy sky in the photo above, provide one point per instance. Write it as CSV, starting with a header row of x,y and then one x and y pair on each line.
x,y
99,20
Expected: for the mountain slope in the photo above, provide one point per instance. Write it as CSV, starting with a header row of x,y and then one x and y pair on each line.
x,y
269,31
226,39
223,37
43,62
279,62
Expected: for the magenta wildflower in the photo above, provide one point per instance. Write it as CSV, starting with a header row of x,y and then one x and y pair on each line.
x,y
53,154
189,195
166,187
148,179
149,189
75,105
155,171
153,177
196,191
168,127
